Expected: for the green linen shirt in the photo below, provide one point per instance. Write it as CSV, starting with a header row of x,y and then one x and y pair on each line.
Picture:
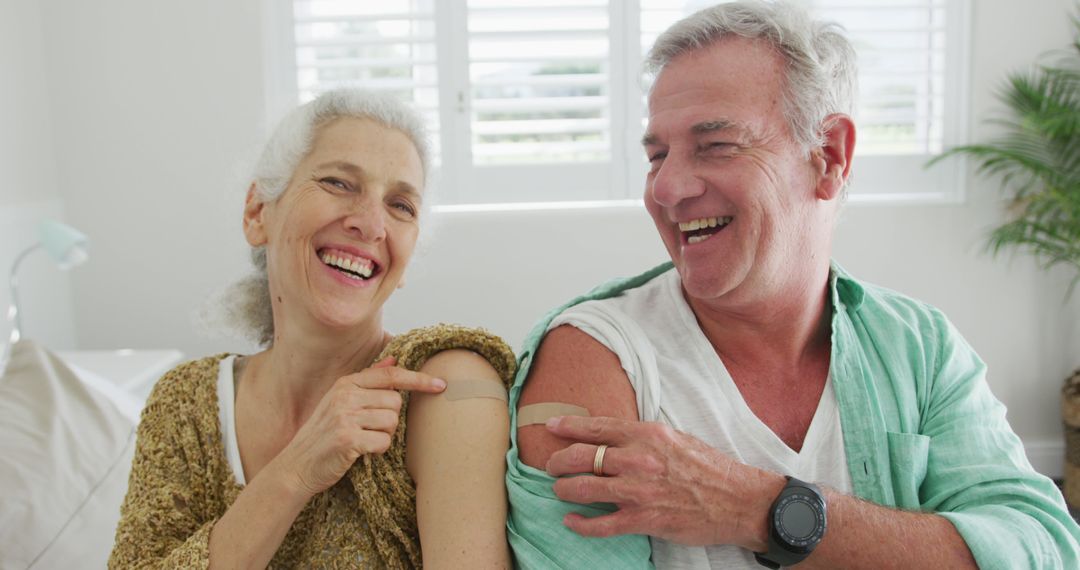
x,y
921,432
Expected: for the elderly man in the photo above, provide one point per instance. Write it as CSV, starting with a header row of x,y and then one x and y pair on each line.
x,y
755,404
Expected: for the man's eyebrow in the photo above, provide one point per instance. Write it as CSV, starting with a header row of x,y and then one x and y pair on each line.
x,y
713,126
701,128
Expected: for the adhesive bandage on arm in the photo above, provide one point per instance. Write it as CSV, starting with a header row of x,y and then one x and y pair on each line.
x,y
541,413
468,389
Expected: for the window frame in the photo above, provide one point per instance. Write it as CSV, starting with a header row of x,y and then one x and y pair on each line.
x,y
462,185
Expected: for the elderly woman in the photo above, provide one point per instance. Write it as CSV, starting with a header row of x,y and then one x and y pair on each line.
x,y
298,455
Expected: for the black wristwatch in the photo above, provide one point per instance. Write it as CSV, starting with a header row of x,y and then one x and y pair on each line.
x,y
796,524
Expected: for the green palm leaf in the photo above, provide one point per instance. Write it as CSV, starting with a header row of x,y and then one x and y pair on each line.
x,y
1037,159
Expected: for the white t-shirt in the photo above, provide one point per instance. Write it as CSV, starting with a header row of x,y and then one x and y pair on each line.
x,y
679,380
226,392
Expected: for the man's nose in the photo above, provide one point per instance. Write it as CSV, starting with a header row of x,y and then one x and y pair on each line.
x,y
367,218
675,181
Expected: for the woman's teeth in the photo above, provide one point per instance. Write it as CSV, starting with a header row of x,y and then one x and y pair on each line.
x,y
703,228
354,268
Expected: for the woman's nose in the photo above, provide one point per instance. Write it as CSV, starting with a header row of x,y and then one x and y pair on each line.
x,y
367,218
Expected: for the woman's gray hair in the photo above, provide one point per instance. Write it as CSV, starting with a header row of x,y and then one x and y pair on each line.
x,y
247,305
820,76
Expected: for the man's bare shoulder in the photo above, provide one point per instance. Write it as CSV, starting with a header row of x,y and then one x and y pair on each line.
x,y
571,367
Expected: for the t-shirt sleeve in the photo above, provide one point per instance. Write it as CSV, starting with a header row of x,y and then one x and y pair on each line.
x,y
537,535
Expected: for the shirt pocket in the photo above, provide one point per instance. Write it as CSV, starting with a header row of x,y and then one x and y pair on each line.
x,y
908,453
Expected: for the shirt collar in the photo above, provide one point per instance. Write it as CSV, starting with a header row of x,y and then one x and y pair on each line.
x,y
844,289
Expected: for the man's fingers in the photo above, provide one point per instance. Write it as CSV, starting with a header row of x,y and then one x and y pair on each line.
x,y
622,521
584,490
398,379
580,458
612,431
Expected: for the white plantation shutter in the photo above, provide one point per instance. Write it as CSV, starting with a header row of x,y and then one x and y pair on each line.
x,y
538,74
902,51
385,45
901,46
541,100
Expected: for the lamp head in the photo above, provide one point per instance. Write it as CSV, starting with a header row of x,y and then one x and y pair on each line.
x,y
65,244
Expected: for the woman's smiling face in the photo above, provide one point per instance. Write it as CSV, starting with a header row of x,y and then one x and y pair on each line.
x,y
339,238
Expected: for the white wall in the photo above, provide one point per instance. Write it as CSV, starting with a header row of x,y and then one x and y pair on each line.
x,y
28,191
155,103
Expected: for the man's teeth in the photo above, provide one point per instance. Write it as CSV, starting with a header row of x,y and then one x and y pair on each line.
x,y
703,223
361,268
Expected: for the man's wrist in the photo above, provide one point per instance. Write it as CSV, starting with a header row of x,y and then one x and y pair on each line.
x,y
797,524
756,520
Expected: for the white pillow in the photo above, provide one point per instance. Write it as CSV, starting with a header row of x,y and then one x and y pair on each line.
x,y
65,455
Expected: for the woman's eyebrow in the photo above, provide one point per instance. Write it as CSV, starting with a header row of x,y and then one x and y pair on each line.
x,y
342,165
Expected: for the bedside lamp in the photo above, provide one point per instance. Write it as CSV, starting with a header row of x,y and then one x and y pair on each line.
x,y
64,244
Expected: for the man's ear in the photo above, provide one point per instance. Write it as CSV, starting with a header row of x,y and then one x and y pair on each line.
x,y
254,228
832,160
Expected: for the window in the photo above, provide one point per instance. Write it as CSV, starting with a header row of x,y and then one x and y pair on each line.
x,y
542,100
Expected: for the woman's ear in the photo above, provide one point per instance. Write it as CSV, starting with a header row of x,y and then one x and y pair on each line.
x,y
254,228
832,160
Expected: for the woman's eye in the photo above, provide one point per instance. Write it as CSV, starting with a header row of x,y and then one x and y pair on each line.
x,y
405,207
335,182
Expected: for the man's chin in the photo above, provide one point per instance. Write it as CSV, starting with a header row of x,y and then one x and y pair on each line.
x,y
704,283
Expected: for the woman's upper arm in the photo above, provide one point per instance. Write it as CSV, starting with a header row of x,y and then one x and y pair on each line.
x,y
456,447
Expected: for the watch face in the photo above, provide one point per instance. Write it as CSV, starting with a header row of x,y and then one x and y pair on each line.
x,y
799,520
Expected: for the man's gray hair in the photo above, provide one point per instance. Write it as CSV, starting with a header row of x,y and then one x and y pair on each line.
x,y
246,305
820,75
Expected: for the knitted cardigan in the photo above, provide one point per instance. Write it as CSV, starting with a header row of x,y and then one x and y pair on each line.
x,y
181,482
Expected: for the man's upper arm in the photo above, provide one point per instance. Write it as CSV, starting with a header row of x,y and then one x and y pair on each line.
x,y
571,367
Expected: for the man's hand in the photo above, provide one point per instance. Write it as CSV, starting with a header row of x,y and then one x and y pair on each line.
x,y
666,484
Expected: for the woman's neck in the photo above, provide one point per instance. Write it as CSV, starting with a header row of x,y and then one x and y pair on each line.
x,y
299,368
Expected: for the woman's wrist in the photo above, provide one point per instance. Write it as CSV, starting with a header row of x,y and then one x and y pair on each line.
x,y
285,483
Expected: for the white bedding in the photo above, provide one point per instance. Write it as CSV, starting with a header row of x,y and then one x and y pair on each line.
x,y
66,442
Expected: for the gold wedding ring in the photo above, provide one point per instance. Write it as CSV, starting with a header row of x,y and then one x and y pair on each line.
x,y
598,461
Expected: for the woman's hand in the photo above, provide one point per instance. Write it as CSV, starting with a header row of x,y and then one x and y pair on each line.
x,y
358,415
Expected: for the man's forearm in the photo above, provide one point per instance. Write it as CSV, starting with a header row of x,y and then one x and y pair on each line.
x,y
864,535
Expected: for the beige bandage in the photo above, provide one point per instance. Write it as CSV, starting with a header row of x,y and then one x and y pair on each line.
x,y
541,413
466,389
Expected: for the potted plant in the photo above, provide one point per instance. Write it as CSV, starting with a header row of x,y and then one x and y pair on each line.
x,y
1037,159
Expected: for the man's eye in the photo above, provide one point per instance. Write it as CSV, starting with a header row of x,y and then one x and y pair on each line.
x,y
657,156
719,146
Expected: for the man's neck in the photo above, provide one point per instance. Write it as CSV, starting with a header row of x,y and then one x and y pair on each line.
x,y
785,330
